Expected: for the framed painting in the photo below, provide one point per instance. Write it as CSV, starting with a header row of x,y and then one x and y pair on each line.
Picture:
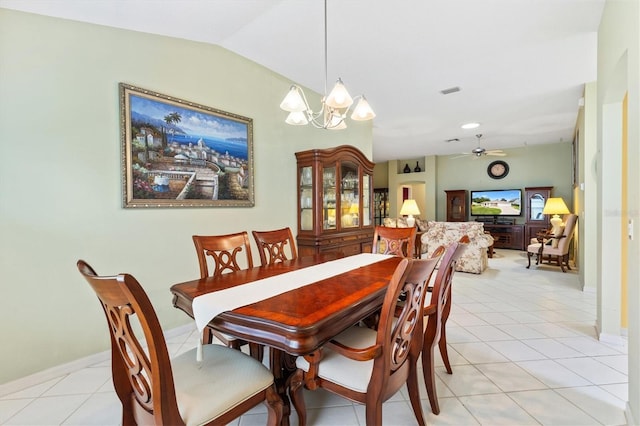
x,y
177,153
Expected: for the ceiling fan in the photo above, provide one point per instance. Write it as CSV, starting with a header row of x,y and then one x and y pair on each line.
x,y
480,151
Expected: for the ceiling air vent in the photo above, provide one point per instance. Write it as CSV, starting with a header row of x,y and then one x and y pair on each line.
x,y
450,90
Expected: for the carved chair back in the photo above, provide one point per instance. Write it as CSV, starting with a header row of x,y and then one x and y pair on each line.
x,y
272,245
395,241
224,251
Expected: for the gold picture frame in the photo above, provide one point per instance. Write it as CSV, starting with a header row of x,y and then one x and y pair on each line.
x,y
177,153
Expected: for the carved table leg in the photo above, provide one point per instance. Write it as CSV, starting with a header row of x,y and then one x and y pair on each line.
x,y
283,366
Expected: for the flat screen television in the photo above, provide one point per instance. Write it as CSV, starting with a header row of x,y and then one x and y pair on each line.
x,y
496,202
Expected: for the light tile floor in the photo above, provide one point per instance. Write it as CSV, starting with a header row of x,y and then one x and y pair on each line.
x,y
522,344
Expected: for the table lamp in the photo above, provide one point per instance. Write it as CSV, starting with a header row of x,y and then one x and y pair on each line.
x,y
409,207
556,207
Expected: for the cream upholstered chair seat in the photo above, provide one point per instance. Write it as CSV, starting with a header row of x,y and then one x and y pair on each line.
x,y
339,369
555,248
206,390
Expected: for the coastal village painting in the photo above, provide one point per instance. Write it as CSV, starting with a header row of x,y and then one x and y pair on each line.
x,y
180,154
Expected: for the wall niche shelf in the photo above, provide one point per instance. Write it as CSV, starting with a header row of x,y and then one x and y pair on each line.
x,y
415,165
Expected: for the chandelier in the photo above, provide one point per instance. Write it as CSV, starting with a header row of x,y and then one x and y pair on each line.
x,y
334,107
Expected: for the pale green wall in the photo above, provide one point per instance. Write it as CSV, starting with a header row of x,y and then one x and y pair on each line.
x,y
537,165
586,193
380,175
60,182
619,74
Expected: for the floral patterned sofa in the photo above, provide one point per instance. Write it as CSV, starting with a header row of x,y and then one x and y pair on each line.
x,y
474,259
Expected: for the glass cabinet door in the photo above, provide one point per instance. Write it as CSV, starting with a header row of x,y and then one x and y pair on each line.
x,y
329,198
536,206
366,200
349,196
306,199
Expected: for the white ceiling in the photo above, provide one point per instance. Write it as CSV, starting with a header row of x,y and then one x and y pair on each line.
x,y
520,64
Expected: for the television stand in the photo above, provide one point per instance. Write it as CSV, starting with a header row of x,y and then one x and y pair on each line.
x,y
506,236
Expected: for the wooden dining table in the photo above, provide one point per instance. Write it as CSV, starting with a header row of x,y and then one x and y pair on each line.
x,y
300,320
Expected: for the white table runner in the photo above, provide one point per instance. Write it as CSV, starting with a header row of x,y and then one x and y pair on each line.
x,y
207,306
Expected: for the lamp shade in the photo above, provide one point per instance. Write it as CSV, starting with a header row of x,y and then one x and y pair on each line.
x,y
409,207
363,111
294,102
339,97
555,206
297,118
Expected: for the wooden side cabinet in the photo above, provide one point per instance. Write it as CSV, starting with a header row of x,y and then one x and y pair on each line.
x,y
534,201
335,201
506,236
457,205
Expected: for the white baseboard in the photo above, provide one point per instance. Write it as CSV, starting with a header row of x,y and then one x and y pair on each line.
x,y
629,415
69,367
612,339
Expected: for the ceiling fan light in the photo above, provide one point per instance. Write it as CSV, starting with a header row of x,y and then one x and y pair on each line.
x,y
297,118
470,125
294,102
339,97
363,111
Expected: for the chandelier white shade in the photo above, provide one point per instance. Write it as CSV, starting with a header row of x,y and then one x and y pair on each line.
x,y
334,107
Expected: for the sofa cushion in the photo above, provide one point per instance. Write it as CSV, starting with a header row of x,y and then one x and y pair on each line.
x,y
390,222
475,258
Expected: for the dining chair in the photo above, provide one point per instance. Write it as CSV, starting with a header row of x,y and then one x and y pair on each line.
x,y
182,391
434,333
395,241
224,253
369,366
464,240
272,245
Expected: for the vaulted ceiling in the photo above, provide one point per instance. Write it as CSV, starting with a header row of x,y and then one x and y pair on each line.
x,y
520,64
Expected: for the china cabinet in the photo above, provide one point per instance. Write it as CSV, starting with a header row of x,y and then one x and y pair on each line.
x,y
534,200
456,205
380,205
335,198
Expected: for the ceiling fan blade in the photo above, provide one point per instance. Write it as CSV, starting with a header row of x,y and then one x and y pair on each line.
x,y
464,154
496,152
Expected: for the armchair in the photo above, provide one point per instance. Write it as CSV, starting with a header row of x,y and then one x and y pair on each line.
x,y
555,247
